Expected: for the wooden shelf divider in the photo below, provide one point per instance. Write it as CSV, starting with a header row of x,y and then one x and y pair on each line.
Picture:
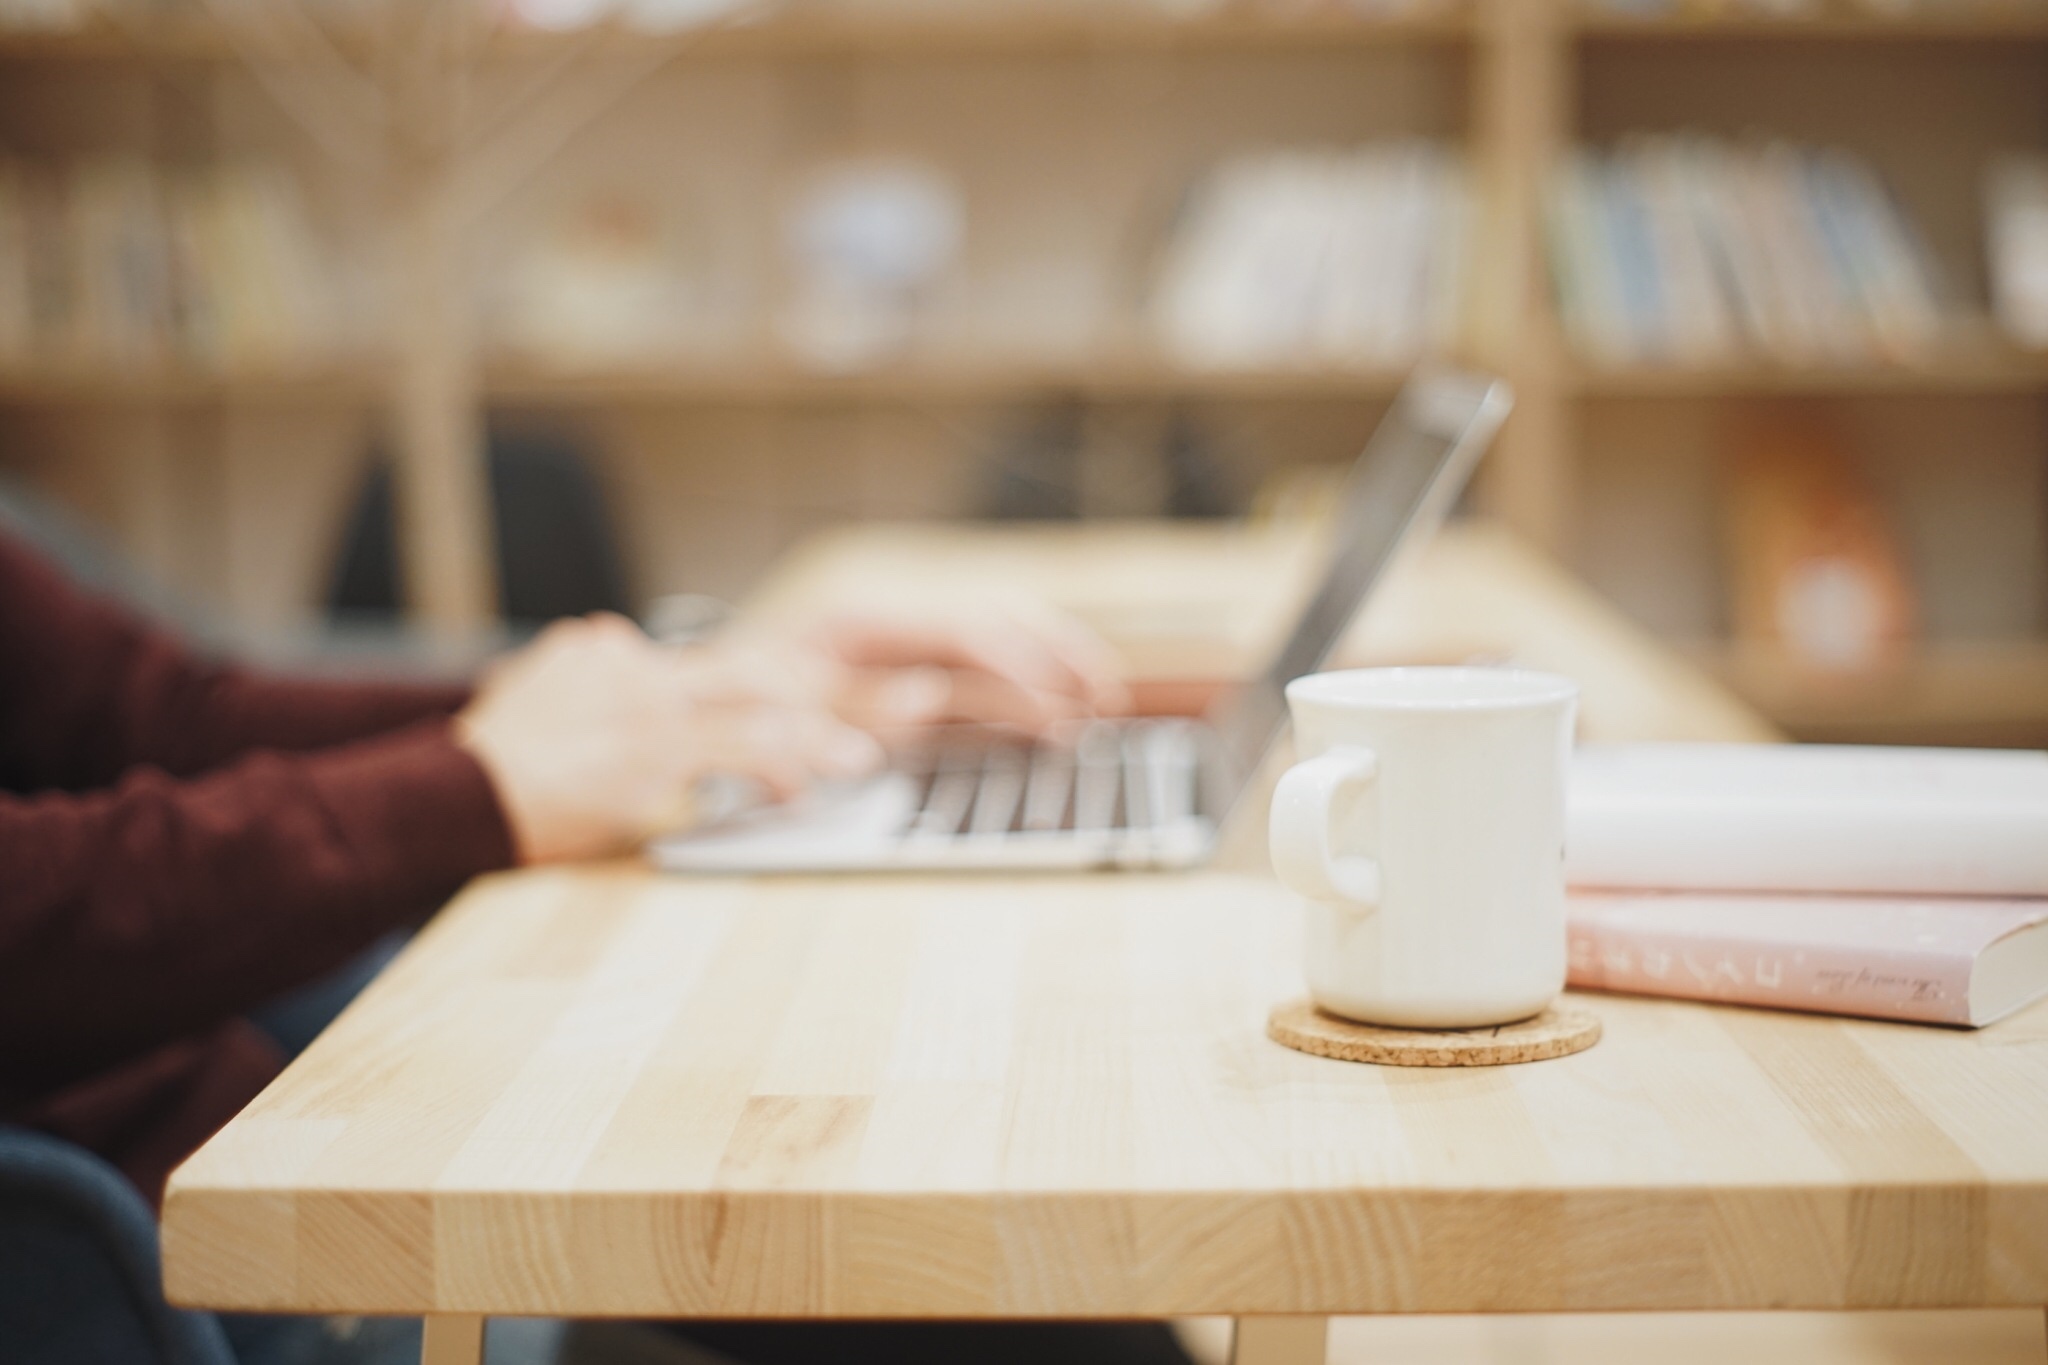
x,y
526,382
1993,692
1952,372
1020,28
1957,21
835,31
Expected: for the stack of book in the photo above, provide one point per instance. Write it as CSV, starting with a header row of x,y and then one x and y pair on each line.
x,y
1307,258
1905,884
118,264
1692,250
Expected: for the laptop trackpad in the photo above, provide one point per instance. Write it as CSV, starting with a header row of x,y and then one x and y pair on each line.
x,y
834,822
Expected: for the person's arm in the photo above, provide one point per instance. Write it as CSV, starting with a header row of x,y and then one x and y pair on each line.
x,y
89,690
160,907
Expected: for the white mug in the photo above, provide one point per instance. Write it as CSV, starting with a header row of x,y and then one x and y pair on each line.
x,y
1425,826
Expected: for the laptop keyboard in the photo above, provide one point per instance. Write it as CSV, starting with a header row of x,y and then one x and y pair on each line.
x,y
1104,777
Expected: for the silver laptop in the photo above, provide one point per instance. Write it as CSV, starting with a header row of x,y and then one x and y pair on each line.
x,y
1148,793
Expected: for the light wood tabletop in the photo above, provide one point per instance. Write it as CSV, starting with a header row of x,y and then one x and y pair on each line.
x,y
607,1092
604,1092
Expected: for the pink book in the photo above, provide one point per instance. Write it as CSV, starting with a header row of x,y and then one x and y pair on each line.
x,y
1965,962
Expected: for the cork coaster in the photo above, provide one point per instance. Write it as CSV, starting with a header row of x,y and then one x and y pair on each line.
x,y
1554,1033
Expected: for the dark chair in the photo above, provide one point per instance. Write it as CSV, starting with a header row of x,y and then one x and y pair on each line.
x,y
557,551
80,1282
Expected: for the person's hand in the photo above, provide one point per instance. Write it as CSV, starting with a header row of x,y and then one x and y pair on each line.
x,y
595,738
1028,668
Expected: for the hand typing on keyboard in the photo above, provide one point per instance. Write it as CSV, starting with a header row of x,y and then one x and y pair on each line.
x,y
1026,668
596,738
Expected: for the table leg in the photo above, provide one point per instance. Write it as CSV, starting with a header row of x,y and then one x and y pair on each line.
x,y
1280,1341
452,1339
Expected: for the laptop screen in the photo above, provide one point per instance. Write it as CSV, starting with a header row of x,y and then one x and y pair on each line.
x,y
1402,486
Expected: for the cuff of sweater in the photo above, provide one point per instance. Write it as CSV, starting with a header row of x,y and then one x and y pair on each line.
x,y
417,808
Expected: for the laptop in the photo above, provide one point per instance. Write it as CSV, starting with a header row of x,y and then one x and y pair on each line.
x,y
1137,793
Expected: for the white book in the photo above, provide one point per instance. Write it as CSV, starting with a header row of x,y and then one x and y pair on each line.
x,y
1813,323
1904,283
1344,327
1398,330
1645,307
1709,185
2016,222
1739,817
1204,277
1296,259
1825,286
1449,244
1594,306
1699,328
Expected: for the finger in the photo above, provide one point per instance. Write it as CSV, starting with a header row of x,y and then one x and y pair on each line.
x,y
836,750
739,671
891,699
611,624
775,743
891,702
987,699
737,745
995,648
1086,655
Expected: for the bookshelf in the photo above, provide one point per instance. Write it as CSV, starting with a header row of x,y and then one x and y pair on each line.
x,y
1517,82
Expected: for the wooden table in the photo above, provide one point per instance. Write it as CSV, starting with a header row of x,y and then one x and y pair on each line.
x,y
601,1093
606,1093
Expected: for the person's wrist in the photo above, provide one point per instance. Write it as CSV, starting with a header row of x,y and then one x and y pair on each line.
x,y
527,826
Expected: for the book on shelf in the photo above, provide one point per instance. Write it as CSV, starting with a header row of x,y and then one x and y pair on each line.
x,y
45,16
1685,250
118,263
2016,229
1962,962
1798,818
1317,258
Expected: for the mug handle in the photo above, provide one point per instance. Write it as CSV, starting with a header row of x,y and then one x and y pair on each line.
x,y
1300,829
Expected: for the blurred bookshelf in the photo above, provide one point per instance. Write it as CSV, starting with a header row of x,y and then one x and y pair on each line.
x,y
1920,97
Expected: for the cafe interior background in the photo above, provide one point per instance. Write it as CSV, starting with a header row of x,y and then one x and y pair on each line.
x,y
345,331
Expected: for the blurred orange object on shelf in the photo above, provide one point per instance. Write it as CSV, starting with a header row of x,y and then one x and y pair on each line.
x,y
1815,566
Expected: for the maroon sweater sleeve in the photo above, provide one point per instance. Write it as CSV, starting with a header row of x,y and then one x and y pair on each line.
x,y
181,842
88,690
162,907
